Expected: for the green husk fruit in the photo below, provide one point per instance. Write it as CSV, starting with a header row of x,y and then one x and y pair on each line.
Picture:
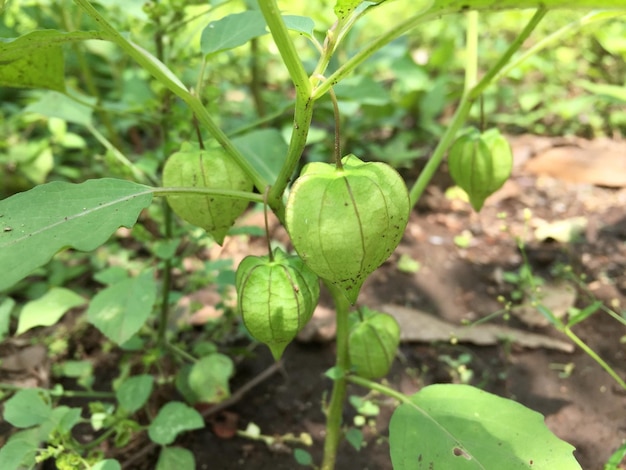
x,y
210,168
276,298
480,164
372,343
345,222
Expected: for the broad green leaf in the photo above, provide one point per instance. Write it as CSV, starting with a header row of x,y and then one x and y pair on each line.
x,y
462,427
27,407
20,450
36,224
232,31
35,60
238,28
62,419
176,457
47,309
6,307
301,24
344,7
208,378
58,105
108,464
175,417
265,149
120,310
134,392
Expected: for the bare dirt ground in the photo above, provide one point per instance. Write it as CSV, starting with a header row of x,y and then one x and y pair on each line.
x,y
576,219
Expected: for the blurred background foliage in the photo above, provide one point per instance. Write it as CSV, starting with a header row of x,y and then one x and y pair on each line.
x,y
394,108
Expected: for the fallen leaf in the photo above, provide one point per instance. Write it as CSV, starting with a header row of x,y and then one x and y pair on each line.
x,y
419,326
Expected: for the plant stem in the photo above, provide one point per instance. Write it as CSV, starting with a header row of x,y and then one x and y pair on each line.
x,y
592,17
285,46
462,111
333,98
164,75
342,364
303,113
208,192
401,397
166,281
591,353
471,51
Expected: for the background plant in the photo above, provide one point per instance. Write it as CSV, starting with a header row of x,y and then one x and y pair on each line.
x,y
129,113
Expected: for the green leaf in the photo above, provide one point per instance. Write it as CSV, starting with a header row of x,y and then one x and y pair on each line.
x,y
344,7
581,315
462,427
232,31
57,105
175,457
20,450
265,149
35,60
238,28
36,224
175,417
120,310
355,437
27,407
134,392
208,378
47,309
303,457
301,24
108,464
6,307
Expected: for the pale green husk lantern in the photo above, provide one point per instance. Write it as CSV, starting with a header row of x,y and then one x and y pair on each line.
x,y
344,223
210,168
480,164
373,342
276,298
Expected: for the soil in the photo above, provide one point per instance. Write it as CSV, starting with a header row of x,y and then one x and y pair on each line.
x,y
459,279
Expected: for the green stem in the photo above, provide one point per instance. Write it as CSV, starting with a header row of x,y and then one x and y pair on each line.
x,y
164,75
390,392
464,107
591,353
208,192
471,51
166,281
556,35
303,113
138,175
338,397
285,46
182,353
370,49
